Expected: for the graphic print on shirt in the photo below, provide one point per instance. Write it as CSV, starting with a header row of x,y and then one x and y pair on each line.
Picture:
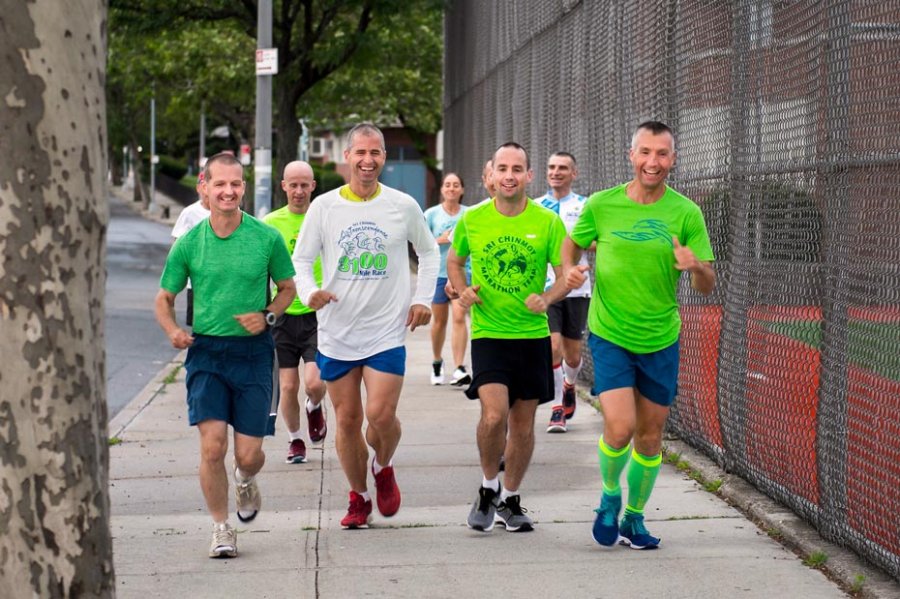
x,y
647,229
510,264
364,256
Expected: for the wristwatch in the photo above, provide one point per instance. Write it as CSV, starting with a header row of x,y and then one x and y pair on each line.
x,y
270,318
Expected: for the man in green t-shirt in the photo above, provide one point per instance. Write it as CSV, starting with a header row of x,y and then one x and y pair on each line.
x,y
647,234
295,332
229,259
510,241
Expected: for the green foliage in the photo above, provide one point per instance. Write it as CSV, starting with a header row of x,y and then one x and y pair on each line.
x,y
202,51
397,74
857,586
186,67
113,441
326,180
816,559
171,167
172,375
713,486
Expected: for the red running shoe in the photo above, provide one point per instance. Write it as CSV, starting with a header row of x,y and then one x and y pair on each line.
x,y
570,402
387,492
296,452
316,421
358,513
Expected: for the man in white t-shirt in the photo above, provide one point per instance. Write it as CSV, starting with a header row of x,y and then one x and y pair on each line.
x,y
189,217
567,317
363,308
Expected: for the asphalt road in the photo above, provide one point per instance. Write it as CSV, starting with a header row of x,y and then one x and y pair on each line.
x,y
136,347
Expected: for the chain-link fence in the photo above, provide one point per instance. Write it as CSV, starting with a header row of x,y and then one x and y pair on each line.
x,y
788,121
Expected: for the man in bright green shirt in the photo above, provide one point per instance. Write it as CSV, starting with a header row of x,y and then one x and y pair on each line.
x,y
295,332
510,241
229,259
647,235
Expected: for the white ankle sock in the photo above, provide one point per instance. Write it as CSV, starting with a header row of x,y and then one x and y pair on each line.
x,y
365,496
493,483
506,494
377,468
571,374
295,435
311,407
557,384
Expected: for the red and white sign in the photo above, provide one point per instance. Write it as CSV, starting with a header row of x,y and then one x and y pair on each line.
x,y
267,61
245,154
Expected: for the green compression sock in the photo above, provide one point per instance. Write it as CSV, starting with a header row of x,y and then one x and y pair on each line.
x,y
612,462
641,476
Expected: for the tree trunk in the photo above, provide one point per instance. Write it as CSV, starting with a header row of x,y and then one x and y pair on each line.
x,y
54,460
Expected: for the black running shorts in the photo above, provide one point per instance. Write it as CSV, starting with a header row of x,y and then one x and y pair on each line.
x,y
524,366
296,338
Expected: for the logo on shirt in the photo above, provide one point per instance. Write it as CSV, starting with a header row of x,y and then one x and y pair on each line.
x,y
363,249
647,229
510,264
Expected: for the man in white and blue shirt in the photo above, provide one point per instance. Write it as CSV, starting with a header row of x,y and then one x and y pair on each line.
x,y
567,317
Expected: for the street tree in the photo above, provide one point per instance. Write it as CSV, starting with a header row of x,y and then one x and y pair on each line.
x,y
314,38
396,76
54,506
199,66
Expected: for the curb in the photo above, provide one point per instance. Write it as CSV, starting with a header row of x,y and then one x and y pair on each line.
x,y
145,397
843,565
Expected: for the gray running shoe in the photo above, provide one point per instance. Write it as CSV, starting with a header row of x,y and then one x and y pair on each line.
x,y
224,541
512,515
247,498
481,517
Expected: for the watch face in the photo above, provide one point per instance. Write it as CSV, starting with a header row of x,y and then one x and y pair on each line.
x,y
270,318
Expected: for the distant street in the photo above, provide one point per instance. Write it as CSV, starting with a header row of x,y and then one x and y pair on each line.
x,y
136,347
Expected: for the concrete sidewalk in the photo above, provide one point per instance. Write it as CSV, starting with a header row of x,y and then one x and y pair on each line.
x,y
296,547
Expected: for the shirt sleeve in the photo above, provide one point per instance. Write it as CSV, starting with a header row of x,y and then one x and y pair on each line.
x,y
175,273
696,236
280,265
460,238
428,253
309,246
585,230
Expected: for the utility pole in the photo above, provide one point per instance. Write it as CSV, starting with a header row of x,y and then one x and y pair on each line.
x,y
152,205
262,189
202,136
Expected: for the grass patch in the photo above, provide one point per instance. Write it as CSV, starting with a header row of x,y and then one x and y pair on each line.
x,y
309,528
113,441
775,533
816,559
856,587
713,486
170,378
674,458
671,457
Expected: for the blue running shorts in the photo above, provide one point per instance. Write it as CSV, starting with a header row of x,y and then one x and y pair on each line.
x,y
655,375
230,379
391,361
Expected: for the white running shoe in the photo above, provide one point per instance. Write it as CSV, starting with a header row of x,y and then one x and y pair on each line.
x,y
437,373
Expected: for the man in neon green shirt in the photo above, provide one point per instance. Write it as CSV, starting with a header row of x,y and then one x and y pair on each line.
x,y
295,332
510,241
647,234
